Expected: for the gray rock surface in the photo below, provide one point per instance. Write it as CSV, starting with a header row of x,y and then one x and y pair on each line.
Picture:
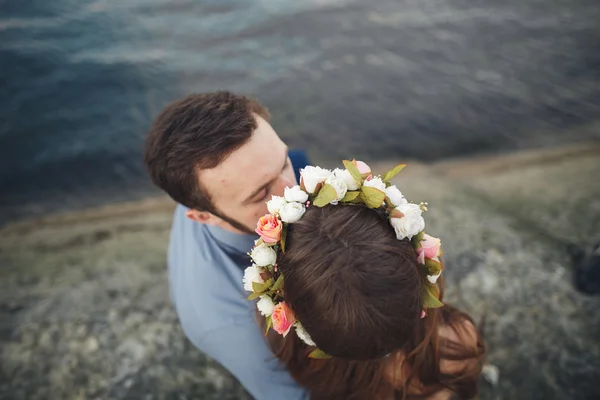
x,y
85,312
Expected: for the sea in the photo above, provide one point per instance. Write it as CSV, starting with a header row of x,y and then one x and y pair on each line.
x,y
81,80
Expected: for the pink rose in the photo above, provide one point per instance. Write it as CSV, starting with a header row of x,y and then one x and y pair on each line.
x,y
430,248
269,229
363,168
283,318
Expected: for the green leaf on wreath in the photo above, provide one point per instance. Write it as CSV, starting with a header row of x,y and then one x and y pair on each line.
x,y
353,171
393,172
278,283
254,296
350,196
416,240
262,287
319,354
433,267
373,198
430,297
326,195
269,324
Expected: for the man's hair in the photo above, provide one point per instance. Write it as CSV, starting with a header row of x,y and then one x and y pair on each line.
x,y
194,133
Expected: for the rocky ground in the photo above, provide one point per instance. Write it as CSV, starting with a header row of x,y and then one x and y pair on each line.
x,y
84,309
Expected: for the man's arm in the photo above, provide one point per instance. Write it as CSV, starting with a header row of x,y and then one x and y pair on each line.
x,y
244,352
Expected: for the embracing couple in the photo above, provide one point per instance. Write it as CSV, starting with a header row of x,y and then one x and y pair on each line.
x,y
359,314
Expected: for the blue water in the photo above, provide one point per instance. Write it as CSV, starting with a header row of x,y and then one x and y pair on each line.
x,y
80,81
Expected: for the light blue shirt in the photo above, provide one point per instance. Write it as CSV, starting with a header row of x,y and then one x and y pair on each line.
x,y
206,266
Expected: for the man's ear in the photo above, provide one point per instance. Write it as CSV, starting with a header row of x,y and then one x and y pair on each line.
x,y
202,217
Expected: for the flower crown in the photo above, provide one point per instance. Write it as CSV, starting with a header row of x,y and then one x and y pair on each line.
x,y
318,187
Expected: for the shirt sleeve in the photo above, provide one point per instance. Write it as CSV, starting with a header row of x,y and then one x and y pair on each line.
x,y
242,350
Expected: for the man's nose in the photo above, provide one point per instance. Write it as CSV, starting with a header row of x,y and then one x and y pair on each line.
x,y
282,183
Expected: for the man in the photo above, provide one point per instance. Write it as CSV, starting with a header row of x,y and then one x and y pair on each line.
x,y
218,157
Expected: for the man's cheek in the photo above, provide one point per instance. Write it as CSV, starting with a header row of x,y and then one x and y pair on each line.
x,y
259,212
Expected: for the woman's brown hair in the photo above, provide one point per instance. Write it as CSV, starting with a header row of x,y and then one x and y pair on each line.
x,y
357,290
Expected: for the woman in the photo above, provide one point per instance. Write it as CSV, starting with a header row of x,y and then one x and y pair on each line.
x,y
360,312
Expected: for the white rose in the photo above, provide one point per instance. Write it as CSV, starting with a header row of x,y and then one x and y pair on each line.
x,y
292,212
252,274
275,204
312,176
295,194
263,255
340,188
395,196
345,175
303,335
376,183
410,224
265,305
433,278
410,210
407,227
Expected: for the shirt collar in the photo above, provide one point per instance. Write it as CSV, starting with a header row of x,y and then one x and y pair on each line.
x,y
237,242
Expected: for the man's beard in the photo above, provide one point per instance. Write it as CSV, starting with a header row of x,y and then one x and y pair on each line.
x,y
237,225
